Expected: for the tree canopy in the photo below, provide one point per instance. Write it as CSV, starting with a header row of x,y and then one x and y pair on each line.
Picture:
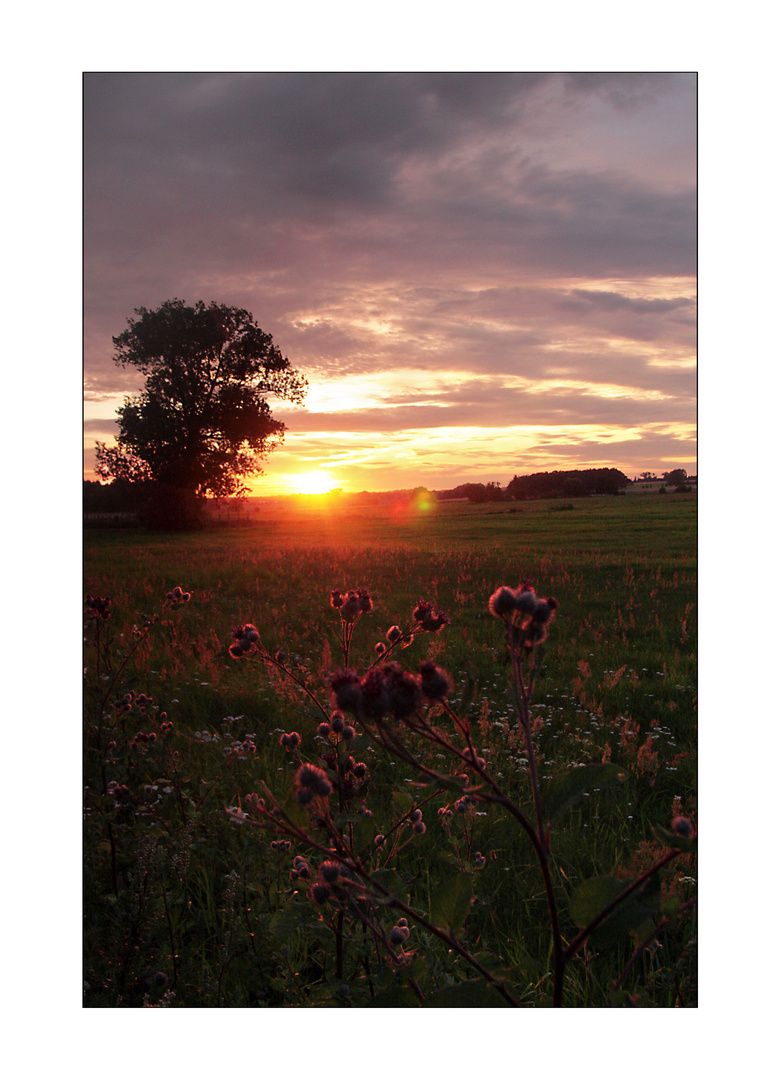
x,y
572,482
202,423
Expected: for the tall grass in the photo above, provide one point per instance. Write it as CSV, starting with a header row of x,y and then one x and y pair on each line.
x,y
186,907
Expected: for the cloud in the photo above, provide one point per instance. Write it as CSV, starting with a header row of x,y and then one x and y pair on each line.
x,y
530,226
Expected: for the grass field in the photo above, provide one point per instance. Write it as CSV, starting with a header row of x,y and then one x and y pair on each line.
x,y
184,907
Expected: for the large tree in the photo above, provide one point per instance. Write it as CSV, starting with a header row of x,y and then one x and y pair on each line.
x,y
202,423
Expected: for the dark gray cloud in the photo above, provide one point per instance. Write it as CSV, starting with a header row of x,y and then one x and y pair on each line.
x,y
496,223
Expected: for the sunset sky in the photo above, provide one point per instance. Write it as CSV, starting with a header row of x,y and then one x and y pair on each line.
x,y
481,275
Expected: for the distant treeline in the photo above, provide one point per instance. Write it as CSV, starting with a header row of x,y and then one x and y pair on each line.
x,y
544,485
568,484
120,496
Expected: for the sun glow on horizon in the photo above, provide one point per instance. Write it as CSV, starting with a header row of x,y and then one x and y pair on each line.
x,y
317,482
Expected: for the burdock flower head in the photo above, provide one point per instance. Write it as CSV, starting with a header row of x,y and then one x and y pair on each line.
x,y
534,613
434,681
428,619
356,602
98,607
502,602
346,690
311,782
389,690
177,595
682,826
244,639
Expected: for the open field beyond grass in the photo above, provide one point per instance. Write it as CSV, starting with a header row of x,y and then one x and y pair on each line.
x,y
186,906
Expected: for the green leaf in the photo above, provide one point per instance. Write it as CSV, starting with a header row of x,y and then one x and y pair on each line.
x,y
566,791
393,882
474,994
592,897
451,903
396,997
671,906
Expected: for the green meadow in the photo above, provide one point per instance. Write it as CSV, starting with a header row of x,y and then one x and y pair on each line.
x,y
186,902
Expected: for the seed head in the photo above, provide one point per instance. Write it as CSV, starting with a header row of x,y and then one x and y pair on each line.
x,y
434,681
351,606
502,602
330,871
526,599
313,780
346,690
682,826
319,892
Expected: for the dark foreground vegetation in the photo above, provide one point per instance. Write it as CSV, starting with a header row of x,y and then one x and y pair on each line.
x,y
495,808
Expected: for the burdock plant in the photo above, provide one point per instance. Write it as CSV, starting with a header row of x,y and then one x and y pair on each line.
x,y
399,712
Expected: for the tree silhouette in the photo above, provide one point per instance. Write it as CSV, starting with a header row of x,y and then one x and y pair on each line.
x,y
202,423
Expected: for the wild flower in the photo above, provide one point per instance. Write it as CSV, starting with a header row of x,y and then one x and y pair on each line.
x,y
535,613
245,639
683,826
122,796
399,933
98,607
388,690
311,779
346,690
502,602
435,683
329,871
178,595
429,620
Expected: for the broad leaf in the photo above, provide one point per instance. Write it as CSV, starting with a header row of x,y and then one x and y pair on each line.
x,y
396,997
566,791
451,902
592,897
474,994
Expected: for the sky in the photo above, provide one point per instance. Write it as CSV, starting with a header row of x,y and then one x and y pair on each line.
x,y
480,274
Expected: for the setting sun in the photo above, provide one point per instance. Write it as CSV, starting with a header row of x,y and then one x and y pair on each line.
x,y
313,483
